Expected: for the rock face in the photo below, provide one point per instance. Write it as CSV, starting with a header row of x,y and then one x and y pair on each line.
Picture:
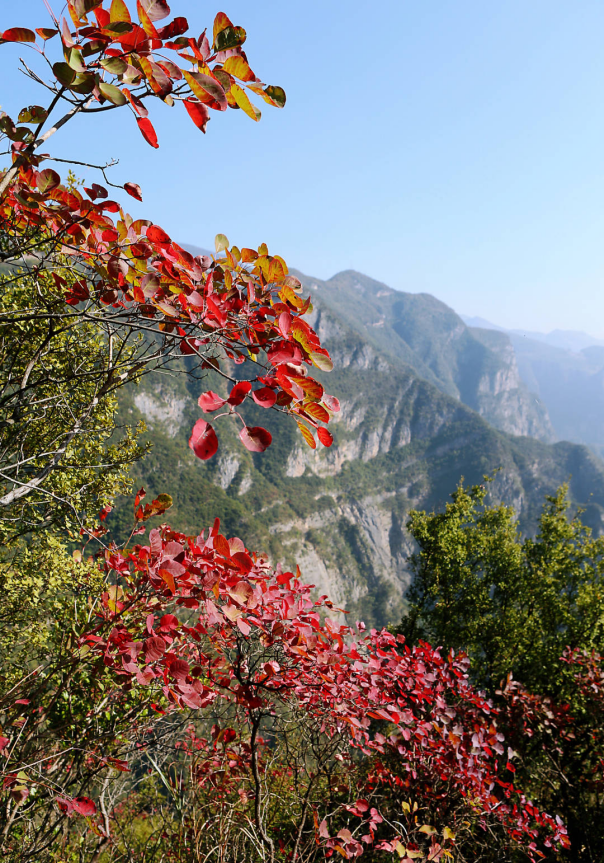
x,y
417,388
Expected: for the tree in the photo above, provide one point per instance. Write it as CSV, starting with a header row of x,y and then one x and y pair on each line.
x,y
124,277
528,612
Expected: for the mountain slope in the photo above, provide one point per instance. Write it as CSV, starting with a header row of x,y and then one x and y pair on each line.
x,y
478,367
401,441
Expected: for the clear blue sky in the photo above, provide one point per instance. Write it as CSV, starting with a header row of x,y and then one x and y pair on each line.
x,y
449,147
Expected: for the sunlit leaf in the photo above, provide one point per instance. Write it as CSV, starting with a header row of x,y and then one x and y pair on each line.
x,y
119,12
238,67
255,438
206,89
198,112
134,190
321,361
203,440
221,243
18,34
156,9
47,180
32,114
325,436
46,32
230,37
64,73
147,130
115,65
221,22
244,103
113,94
307,435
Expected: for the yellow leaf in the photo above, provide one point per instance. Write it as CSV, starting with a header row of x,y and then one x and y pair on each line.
x,y
406,807
307,435
325,364
428,830
400,849
239,68
448,833
242,99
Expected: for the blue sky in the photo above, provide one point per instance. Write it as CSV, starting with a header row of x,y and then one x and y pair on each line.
x,y
455,148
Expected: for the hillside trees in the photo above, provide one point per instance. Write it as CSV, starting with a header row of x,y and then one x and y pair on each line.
x,y
180,697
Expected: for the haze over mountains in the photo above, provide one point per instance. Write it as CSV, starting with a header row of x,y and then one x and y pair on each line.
x,y
426,400
565,369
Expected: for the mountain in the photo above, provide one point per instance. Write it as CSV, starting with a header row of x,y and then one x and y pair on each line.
x,y
565,369
570,384
417,388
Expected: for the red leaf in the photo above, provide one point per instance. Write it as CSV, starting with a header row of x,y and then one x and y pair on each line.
x,y
19,34
265,397
203,440
154,648
47,180
255,438
156,9
4,741
84,806
243,561
147,130
155,234
134,190
198,112
239,392
332,403
325,436
210,401
46,32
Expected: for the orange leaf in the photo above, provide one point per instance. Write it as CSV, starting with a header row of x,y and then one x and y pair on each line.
x,y
238,67
316,411
168,578
221,22
307,435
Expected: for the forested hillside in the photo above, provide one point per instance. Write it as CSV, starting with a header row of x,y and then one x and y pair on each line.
x,y
408,373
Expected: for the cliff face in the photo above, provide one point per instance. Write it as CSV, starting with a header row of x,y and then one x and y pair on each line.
x,y
476,366
403,440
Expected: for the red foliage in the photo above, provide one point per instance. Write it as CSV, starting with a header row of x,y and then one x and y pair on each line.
x,y
256,638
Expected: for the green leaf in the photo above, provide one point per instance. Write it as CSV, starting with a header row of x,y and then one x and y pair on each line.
x,y
230,37
33,114
114,94
114,65
277,94
221,242
64,74
75,60
84,83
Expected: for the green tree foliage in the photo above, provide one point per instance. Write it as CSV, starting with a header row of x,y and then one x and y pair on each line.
x,y
512,604
61,457
520,607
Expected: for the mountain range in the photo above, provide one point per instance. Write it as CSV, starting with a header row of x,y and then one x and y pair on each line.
x,y
426,400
